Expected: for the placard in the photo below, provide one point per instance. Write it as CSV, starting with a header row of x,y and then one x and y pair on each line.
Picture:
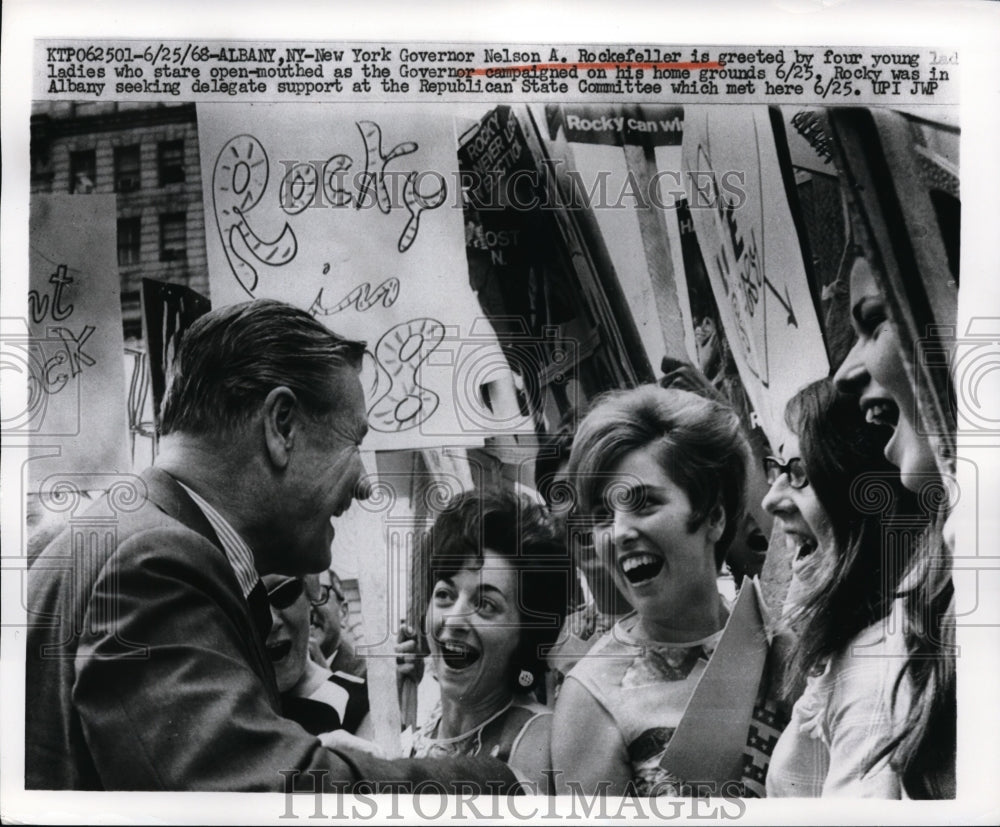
x,y
355,214
752,255
71,343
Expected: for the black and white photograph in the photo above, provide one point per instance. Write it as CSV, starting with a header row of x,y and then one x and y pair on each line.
x,y
410,416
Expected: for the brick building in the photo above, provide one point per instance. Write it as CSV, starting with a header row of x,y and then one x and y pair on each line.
x,y
147,154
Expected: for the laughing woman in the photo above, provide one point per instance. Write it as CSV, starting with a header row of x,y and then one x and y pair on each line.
x,y
923,750
661,473
844,584
499,581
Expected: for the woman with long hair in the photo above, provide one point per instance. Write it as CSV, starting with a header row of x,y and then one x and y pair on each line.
x,y
832,495
923,749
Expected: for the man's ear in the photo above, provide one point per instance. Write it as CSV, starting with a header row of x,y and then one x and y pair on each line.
x,y
716,523
281,411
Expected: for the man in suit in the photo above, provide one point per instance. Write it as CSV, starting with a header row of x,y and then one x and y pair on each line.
x,y
146,659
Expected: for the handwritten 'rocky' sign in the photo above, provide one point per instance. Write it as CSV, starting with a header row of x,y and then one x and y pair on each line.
x,y
355,214
752,255
70,347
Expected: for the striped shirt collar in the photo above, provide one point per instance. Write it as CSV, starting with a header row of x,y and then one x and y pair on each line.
x,y
237,551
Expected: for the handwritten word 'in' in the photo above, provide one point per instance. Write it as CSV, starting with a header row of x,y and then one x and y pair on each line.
x,y
361,298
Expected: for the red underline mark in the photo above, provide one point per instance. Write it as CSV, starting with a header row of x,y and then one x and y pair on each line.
x,y
534,67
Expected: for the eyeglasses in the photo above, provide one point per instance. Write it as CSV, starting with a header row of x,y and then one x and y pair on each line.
x,y
285,593
324,595
774,468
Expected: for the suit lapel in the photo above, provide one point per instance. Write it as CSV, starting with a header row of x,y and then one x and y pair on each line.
x,y
168,495
260,609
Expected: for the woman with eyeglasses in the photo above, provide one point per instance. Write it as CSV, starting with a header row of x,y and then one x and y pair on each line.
x,y
317,698
832,494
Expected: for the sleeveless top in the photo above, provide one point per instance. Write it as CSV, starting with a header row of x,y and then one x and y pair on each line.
x,y
498,738
644,686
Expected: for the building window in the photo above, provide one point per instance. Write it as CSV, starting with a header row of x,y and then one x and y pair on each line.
x,y
173,236
171,162
129,230
126,168
82,171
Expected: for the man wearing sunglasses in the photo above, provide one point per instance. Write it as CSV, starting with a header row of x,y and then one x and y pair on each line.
x,y
147,663
320,699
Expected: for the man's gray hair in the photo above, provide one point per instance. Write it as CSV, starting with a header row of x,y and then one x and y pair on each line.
x,y
231,358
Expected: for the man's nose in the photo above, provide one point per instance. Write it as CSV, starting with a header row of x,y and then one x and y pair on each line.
x,y
366,477
363,487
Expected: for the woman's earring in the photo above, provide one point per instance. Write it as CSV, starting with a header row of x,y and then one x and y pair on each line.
x,y
525,678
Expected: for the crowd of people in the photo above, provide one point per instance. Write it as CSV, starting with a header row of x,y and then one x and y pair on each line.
x,y
200,650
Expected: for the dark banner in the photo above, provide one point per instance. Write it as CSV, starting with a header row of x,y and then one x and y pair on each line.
x,y
503,186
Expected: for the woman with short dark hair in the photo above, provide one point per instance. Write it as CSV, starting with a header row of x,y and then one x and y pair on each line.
x,y
499,577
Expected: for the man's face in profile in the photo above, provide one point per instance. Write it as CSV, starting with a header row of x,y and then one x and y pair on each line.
x,y
324,476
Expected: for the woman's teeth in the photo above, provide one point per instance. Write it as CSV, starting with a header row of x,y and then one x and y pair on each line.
x,y
638,568
882,413
457,655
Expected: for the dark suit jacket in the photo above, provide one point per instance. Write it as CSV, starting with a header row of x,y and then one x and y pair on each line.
x,y
145,670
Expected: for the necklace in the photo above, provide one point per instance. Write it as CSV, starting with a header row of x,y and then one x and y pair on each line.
x,y
449,745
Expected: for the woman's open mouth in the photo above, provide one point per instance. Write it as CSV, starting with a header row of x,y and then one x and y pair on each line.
x,y
279,651
641,567
806,546
881,412
457,655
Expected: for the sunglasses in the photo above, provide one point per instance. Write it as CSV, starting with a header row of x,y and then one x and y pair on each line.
x,y
285,593
774,468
